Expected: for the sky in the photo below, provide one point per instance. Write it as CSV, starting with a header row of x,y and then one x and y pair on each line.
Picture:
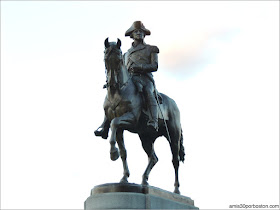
x,y
219,60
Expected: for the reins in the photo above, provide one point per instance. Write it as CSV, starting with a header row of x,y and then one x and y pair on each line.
x,y
120,66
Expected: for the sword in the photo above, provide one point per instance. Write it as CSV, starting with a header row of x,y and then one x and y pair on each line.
x,y
169,139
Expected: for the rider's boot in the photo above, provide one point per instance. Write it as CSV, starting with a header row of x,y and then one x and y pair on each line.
x,y
153,122
103,130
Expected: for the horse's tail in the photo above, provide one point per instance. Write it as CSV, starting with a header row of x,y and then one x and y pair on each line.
x,y
182,149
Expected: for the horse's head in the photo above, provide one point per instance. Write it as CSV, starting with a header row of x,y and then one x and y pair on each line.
x,y
117,74
112,54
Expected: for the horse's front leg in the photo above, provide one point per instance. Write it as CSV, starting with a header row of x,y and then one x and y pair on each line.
x,y
119,124
123,155
114,152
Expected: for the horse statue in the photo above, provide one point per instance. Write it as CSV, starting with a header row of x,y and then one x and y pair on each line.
x,y
125,110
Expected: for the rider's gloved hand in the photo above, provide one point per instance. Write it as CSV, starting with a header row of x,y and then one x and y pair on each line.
x,y
136,68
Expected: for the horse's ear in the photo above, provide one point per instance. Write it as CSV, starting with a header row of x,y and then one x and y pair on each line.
x,y
119,43
106,43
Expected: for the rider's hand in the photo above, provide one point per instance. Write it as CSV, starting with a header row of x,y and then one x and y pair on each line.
x,y
135,68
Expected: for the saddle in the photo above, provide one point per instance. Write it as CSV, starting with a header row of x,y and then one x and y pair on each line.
x,y
162,113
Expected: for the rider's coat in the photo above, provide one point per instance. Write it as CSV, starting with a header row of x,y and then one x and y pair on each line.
x,y
142,55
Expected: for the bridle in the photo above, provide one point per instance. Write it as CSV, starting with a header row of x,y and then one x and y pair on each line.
x,y
108,52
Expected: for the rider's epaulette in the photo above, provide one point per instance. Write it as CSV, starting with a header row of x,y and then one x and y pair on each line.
x,y
154,49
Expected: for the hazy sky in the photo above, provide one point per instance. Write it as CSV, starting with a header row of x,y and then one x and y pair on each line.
x,y
219,60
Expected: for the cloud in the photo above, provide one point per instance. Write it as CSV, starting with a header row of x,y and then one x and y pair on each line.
x,y
185,57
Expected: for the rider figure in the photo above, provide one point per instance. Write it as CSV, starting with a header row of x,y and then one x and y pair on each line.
x,y
141,60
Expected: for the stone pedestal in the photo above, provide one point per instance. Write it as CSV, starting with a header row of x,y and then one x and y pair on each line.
x,y
134,196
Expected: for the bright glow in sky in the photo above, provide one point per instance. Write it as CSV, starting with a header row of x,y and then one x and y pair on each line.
x,y
219,60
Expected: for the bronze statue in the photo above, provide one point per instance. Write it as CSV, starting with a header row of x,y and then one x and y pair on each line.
x,y
129,86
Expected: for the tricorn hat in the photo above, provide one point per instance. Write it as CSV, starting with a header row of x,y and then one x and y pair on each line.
x,y
137,25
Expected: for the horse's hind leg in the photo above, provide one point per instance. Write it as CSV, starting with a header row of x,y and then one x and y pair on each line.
x,y
175,160
123,155
148,146
175,134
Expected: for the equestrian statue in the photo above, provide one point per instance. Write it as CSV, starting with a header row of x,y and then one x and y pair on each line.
x,y
133,103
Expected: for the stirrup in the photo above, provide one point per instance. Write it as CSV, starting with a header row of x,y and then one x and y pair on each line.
x,y
101,133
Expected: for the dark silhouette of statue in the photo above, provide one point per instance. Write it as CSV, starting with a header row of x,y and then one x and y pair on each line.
x,y
133,104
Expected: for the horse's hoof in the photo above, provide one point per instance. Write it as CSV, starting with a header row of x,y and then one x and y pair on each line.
x,y
177,191
124,180
145,183
114,154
